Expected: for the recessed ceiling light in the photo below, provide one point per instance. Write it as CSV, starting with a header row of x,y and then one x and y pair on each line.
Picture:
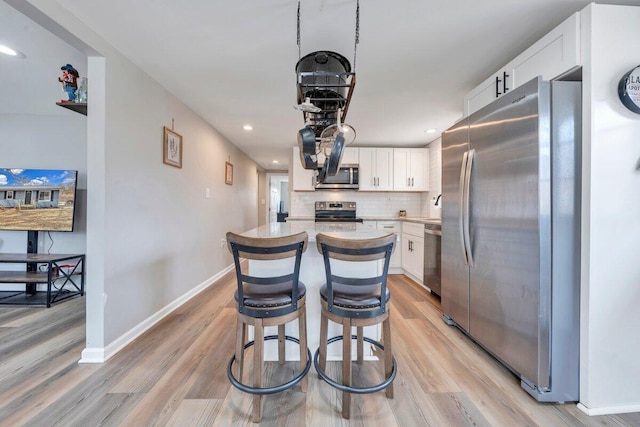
x,y
274,161
11,52
247,127
432,130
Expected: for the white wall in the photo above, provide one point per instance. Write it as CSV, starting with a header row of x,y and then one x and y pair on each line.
x,y
34,132
152,236
610,318
429,208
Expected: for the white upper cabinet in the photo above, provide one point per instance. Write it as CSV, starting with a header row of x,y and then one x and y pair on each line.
x,y
350,156
303,179
376,169
494,87
411,169
553,55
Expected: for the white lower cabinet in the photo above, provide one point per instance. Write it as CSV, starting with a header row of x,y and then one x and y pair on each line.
x,y
413,250
395,263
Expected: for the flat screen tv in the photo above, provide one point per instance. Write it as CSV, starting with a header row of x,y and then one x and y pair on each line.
x,y
37,199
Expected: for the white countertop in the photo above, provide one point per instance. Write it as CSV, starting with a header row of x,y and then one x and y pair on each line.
x,y
420,220
345,230
380,218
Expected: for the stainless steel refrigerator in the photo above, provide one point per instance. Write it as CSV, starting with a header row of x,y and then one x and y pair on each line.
x,y
511,230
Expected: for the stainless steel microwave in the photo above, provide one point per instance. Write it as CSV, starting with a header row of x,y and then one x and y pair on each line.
x,y
345,179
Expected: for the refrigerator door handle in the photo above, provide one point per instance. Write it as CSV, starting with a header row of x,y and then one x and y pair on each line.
x,y
461,210
466,212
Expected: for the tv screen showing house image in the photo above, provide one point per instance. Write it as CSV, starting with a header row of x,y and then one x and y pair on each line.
x,y
37,199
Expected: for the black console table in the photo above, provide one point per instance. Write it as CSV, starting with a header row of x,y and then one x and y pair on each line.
x,y
60,272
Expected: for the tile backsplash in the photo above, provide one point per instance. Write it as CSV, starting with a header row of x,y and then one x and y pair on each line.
x,y
380,204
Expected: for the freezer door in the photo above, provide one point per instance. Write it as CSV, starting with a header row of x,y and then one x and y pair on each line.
x,y
455,273
509,222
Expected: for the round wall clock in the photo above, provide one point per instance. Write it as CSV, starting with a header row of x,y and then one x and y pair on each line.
x,y
629,90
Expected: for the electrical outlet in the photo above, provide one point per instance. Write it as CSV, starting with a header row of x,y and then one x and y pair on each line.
x,y
223,243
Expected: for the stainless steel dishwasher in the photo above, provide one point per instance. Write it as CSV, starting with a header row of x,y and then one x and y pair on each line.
x,y
432,247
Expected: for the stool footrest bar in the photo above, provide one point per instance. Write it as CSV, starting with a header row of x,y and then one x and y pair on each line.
x,y
350,389
274,389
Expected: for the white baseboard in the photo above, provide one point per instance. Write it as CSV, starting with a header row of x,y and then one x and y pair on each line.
x,y
609,410
92,355
101,355
418,280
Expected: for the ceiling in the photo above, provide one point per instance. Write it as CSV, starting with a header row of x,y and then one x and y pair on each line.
x,y
233,62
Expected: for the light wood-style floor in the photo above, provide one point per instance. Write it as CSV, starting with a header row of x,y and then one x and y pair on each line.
x,y
175,374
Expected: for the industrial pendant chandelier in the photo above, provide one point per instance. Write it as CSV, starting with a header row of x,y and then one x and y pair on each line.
x,y
325,83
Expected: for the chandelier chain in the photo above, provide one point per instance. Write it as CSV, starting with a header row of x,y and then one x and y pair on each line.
x,y
298,40
355,47
357,41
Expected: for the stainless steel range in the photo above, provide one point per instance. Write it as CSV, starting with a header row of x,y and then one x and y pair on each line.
x,y
336,212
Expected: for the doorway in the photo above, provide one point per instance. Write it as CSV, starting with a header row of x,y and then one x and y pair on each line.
x,y
277,197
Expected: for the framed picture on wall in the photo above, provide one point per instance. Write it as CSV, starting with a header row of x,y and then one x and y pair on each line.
x,y
228,173
172,148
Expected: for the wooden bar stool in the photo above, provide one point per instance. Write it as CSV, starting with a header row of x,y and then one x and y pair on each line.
x,y
355,302
268,301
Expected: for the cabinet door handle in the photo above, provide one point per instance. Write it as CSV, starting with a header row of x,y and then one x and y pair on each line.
x,y
498,86
408,182
504,82
387,226
413,183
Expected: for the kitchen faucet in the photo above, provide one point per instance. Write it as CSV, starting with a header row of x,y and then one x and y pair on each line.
x,y
438,199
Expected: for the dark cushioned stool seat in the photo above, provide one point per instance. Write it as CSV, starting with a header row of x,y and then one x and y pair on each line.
x,y
360,297
270,296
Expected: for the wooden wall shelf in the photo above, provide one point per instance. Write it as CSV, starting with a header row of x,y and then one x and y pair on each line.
x,y
78,107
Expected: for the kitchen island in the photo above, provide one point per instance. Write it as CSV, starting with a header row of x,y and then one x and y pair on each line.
x,y
312,274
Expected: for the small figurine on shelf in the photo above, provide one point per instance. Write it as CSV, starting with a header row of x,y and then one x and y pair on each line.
x,y
69,82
